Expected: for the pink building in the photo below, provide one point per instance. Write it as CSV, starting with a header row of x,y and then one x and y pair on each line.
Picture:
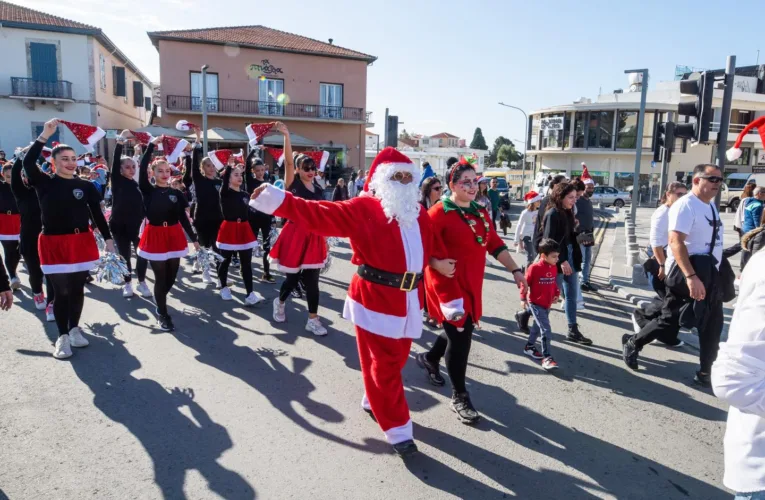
x,y
258,74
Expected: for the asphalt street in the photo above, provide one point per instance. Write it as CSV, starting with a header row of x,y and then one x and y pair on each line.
x,y
234,406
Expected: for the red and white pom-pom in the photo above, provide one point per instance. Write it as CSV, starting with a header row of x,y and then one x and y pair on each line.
x,y
185,126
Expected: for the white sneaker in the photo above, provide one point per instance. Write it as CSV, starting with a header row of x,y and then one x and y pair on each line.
x,y
225,293
63,350
40,302
314,326
15,283
127,290
49,316
254,298
206,278
76,338
279,315
143,289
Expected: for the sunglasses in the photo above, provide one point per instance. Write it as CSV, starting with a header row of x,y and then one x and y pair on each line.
x,y
308,168
467,184
714,179
436,188
680,193
402,177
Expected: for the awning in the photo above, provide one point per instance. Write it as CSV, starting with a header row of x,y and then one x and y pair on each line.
x,y
220,134
156,131
276,139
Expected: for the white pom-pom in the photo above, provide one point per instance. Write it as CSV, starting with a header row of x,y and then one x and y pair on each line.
x,y
733,154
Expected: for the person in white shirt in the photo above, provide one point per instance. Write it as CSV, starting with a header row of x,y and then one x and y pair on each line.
x,y
527,223
693,223
738,378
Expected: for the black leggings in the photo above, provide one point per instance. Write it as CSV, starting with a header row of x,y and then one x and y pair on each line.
x,y
125,236
12,256
207,232
454,347
165,272
245,267
70,297
32,260
310,280
264,228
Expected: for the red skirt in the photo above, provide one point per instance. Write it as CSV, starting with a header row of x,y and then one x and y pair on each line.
x,y
297,248
162,242
67,253
236,236
10,227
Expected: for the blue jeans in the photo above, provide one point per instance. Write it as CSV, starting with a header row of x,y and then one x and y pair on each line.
x,y
569,286
541,327
586,262
755,495
528,246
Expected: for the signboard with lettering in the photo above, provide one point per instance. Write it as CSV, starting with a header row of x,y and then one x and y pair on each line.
x,y
760,157
551,123
264,69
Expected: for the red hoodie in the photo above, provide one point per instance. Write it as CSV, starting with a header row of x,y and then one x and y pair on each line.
x,y
542,286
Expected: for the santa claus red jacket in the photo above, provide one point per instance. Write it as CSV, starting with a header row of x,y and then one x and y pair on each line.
x,y
375,241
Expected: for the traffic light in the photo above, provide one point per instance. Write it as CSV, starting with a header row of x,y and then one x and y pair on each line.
x,y
391,131
665,141
701,108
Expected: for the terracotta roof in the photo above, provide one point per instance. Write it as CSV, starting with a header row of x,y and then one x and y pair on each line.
x,y
369,132
444,135
408,142
259,37
15,13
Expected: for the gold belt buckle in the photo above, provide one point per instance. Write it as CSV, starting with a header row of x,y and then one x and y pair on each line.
x,y
411,278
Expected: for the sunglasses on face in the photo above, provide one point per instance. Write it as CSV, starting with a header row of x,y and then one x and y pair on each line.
x,y
309,168
714,179
402,177
436,188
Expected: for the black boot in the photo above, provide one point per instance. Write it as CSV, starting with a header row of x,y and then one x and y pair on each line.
x,y
629,351
522,318
405,448
463,407
574,335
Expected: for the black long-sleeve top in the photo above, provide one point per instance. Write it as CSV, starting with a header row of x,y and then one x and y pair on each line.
x,y
560,227
26,199
234,204
127,199
162,205
67,205
5,285
206,191
7,201
340,193
251,183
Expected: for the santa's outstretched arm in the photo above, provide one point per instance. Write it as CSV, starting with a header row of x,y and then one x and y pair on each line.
x,y
325,218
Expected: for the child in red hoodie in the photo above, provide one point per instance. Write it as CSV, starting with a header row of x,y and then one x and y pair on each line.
x,y
542,293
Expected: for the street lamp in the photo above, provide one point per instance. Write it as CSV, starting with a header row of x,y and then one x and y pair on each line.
x,y
638,75
526,128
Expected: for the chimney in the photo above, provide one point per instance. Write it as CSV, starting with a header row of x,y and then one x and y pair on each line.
x,y
330,41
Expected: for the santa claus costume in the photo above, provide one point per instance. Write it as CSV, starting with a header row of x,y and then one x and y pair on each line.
x,y
10,225
391,249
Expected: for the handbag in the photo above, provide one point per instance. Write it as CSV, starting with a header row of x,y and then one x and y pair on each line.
x,y
586,239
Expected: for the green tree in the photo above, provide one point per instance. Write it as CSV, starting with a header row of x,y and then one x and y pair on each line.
x,y
498,143
508,153
404,135
478,141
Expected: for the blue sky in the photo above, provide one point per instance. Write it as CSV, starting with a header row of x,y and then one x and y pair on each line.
x,y
444,65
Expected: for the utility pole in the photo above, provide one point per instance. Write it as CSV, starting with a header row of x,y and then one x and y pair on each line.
x,y
639,145
204,109
385,141
525,146
665,162
722,135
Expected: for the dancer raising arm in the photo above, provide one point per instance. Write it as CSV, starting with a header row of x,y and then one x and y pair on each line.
x,y
259,222
67,246
162,242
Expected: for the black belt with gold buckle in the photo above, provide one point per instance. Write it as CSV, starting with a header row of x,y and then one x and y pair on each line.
x,y
407,281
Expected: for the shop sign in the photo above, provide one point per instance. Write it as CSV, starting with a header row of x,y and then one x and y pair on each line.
x,y
265,68
760,157
551,123
758,170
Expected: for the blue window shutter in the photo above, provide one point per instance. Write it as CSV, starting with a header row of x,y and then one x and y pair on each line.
x,y
44,64
51,139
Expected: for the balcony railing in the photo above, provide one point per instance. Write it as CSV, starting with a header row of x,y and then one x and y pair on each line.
x,y
735,128
267,108
27,87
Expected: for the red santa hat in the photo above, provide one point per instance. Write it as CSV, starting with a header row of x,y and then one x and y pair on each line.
x,y
257,131
277,154
142,137
239,157
185,126
173,147
220,157
320,158
585,177
46,152
734,153
532,197
87,135
388,162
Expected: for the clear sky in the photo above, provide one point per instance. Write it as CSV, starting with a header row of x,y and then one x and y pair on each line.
x,y
443,65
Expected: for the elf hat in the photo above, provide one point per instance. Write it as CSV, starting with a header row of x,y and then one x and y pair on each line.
x,y
388,162
173,147
257,131
532,197
320,158
585,177
185,126
87,135
220,157
142,137
734,153
277,154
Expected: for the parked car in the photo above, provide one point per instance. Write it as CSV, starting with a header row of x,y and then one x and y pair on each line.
x,y
610,196
734,186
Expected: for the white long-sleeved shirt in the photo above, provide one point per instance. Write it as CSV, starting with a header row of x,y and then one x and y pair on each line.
x,y
659,235
738,220
738,378
526,224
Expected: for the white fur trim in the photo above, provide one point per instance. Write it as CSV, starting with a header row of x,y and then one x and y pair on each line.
x,y
269,200
589,181
365,402
324,160
385,325
172,157
733,154
215,160
293,270
68,268
537,198
9,237
453,308
163,256
243,246
94,138
399,434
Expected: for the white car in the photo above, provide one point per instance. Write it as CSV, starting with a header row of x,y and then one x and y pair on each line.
x,y
610,196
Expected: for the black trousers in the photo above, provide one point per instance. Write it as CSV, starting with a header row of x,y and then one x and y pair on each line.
x,y
207,232
310,280
28,248
165,272
12,256
263,226
70,297
245,267
124,236
653,311
454,347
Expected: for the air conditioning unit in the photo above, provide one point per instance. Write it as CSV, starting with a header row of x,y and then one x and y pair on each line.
x,y
720,85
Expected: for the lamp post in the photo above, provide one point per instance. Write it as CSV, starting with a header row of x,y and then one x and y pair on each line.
x,y
526,128
639,146
204,109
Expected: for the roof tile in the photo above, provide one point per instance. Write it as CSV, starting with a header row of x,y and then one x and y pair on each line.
x,y
15,13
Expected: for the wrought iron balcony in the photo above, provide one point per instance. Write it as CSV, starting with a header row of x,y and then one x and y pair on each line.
x,y
265,108
37,89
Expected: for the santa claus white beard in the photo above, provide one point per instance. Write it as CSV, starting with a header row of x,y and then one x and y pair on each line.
x,y
399,201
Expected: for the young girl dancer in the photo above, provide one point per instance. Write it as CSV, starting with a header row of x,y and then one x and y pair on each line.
x,y
67,246
10,226
299,253
259,222
127,215
162,241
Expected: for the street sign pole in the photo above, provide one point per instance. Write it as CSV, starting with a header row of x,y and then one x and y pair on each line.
x,y
722,136
639,145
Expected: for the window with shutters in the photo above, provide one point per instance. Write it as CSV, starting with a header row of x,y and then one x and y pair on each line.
x,y
331,100
118,75
147,103
102,66
138,94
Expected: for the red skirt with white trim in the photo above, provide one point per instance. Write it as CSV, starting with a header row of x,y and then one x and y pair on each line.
x,y
162,242
10,227
236,236
297,248
67,253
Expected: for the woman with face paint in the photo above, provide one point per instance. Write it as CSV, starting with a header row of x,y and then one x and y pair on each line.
x,y
67,246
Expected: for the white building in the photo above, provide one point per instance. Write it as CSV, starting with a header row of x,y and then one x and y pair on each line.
x,y
372,141
437,157
53,67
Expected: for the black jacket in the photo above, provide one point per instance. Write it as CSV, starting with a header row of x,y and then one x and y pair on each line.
x,y
340,193
559,227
